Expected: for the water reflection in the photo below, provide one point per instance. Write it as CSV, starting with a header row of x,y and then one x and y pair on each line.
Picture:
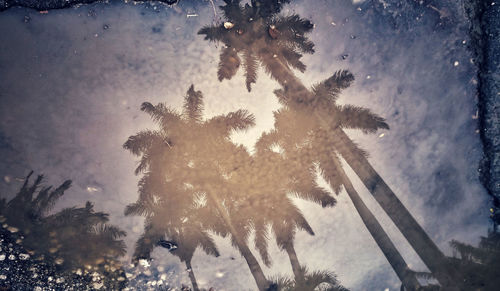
x,y
73,247
197,185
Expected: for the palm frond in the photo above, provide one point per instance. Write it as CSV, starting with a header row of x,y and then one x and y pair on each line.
x,y
42,196
309,281
49,201
143,164
213,33
331,87
161,114
282,96
280,283
292,213
308,189
251,65
266,141
293,59
137,208
142,142
193,105
329,164
108,230
360,118
207,244
293,29
228,64
233,121
260,240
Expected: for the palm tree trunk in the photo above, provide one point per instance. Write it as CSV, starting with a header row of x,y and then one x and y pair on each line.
x,y
383,241
294,261
191,276
430,254
253,264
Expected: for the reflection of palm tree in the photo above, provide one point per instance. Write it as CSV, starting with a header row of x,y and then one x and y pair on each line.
x,y
72,238
267,180
309,281
273,39
188,160
186,231
303,140
258,36
479,267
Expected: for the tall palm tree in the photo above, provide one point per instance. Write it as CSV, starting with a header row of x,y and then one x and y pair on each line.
x,y
304,141
75,237
190,156
277,42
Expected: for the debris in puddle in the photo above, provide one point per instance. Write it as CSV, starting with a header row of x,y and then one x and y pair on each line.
x,y
273,32
169,245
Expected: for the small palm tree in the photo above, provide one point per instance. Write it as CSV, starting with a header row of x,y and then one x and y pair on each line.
x,y
72,238
188,158
310,281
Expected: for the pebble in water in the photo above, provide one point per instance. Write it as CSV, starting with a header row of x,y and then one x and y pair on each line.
x,y
24,256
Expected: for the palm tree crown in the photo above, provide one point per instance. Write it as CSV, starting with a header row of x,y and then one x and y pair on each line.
x,y
186,165
258,34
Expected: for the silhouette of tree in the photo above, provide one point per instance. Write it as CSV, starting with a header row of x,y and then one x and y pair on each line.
x,y
188,159
273,39
73,238
265,181
257,34
305,142
186,231
310,281
479,267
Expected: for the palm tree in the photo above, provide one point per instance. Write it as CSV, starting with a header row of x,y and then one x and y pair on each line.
x,y
186,231
72,238
266,181
277,43
304,141
187,157
256,34
310,281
